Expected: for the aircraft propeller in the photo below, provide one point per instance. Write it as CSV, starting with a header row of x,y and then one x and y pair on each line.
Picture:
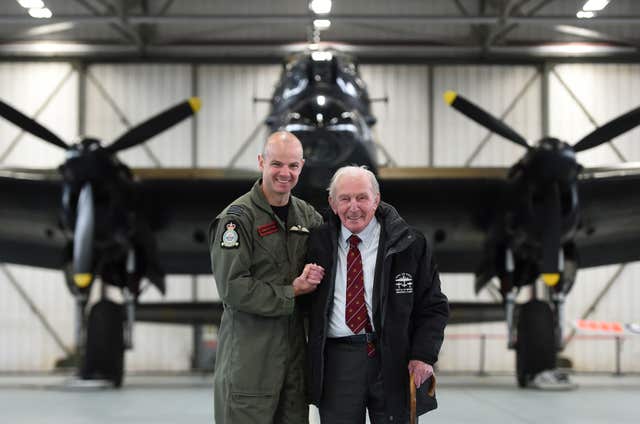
x,y
600,135
551,164
29,125
483,118
83,166
609,131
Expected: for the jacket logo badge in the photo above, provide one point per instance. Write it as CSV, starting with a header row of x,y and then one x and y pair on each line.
x,y
267,229
230,236
404,283
299,229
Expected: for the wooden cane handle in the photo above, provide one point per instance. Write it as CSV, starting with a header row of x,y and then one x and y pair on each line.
x,y
412,403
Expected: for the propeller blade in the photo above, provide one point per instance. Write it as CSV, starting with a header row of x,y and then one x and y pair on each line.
x,y
551,224
29,125
154,126
83,238
483,118
609,131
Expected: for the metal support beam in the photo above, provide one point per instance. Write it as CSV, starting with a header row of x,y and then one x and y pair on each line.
x,y
289,19
507,29
114,21
123,119
586,112
81,69
43,106
431,118
545,97
34,308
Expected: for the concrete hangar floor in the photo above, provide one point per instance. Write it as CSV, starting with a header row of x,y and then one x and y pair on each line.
x,y
187,399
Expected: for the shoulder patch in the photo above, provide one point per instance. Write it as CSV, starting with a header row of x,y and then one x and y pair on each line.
x,y
235,210
230,239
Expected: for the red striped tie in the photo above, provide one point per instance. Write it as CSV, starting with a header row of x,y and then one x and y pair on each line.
x,y
355,313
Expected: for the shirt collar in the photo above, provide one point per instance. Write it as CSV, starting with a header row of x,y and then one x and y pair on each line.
x,y
365,235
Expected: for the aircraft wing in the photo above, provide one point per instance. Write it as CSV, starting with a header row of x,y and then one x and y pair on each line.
x,y
609,199
453,207
30,233
180,204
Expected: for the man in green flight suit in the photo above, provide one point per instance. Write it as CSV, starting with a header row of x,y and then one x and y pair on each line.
x,y
258,245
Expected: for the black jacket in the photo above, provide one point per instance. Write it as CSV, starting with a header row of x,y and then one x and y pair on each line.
x,y
409,317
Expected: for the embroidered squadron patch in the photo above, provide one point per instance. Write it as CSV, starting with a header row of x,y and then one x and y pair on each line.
x,y
404,283
267,229
230,236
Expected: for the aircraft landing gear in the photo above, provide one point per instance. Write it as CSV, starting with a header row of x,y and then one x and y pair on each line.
x,y
536,341
104,350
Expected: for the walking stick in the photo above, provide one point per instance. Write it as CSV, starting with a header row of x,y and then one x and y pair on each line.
x,y
412,402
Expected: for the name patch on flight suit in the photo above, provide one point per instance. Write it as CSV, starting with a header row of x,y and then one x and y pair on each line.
x,y
404,283
267,229
230,236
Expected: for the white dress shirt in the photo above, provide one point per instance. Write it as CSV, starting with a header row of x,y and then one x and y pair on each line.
x,y
370,237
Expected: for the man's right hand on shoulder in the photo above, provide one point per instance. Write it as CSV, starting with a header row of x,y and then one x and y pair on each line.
x,y
307,282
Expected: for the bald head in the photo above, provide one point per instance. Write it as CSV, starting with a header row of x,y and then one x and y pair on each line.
x,y
281,163
282,139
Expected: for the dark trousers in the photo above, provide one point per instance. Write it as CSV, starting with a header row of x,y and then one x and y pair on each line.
x,y
352,384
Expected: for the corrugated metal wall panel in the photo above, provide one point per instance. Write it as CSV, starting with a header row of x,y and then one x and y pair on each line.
x,y
27,87
605,91
161,346
26,344
403,121
51,88
140,92
493,88
231,113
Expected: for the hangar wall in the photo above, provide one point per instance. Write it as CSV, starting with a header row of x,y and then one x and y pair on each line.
x,y
414,126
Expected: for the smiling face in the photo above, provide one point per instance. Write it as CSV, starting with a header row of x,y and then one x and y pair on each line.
x,y
354,200
281,164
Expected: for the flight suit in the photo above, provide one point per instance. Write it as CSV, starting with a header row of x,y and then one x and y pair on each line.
x,y
259,372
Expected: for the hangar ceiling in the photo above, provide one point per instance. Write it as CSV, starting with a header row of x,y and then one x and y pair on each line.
x,y
371,29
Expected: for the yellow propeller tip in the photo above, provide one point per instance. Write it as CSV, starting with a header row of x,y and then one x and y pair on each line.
x,y
450,97
82,280
551,279
195,103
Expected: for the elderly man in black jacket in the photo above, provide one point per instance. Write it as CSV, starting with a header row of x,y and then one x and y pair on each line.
x,y
378,315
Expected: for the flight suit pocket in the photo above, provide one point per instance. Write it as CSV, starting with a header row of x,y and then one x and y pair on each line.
x,y
250,407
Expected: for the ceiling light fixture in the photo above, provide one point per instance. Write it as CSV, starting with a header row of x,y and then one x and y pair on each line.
x,y
585,15
40,13
31,4
320,7
595,5
321,24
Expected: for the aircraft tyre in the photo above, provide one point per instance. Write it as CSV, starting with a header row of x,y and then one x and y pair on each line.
x,y
536,344
104,355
